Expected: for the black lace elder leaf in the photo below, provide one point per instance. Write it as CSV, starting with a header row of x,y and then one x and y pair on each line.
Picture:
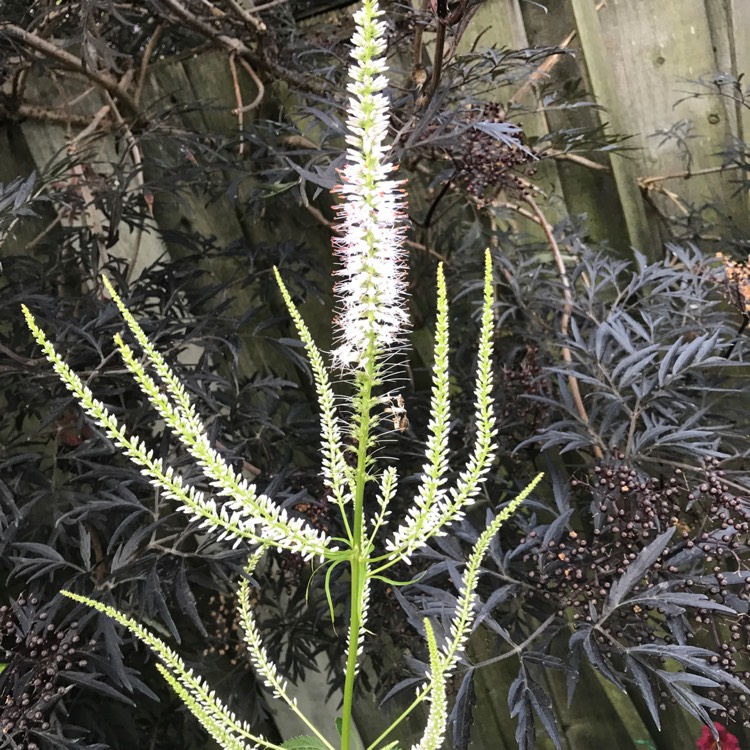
x,y
156,601
676,602
639,673
676,356
499,596
585,639
108,531
507,133
460,717
527,699
629,368
556,528
186,599
686,686
520,707
701,661
636,570
684,695
33,560
703,441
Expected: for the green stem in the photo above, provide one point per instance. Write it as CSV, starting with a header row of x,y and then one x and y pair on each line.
x,y
420,697
359,556
358,574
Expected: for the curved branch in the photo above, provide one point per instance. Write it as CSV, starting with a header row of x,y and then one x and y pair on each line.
x,y
73,63
566,316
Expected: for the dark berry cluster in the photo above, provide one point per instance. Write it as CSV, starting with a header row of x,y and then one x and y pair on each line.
x,y
521,381
224,637
576,570
36,652
737,282
486,164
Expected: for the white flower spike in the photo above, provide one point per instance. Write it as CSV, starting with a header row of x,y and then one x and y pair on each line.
x,y
372,287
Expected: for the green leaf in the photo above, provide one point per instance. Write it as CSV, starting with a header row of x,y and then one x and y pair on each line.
x,y
304,743
2,667
339,724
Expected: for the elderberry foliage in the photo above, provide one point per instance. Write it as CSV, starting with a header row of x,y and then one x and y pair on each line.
x,y
42,662
73,515
654,348
635,566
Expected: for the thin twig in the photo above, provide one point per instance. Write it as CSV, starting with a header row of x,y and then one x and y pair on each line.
x,y
545,69
518,210
66,60
233,44
79,98
247,17
428,250
25,361
145,60
91,126
437,63
57,116
576,159
647,182
258,83
416,50
238,110
517,648
566,317
671,196
31,245
444,21
135,152
317,214
269,5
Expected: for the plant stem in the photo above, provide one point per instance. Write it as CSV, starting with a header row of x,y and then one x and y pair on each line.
x,y
359,556
358,575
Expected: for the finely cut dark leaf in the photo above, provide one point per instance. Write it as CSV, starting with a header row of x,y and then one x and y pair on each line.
x,y
459,719
637,569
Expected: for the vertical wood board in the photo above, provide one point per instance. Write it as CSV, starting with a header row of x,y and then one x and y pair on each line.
x,y
48,144
739,13
587,191
653,53
597,58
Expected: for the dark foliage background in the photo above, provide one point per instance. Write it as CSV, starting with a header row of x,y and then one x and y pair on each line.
x,y
622,379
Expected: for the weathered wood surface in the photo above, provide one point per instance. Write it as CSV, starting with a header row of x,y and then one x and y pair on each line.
x,y
640,59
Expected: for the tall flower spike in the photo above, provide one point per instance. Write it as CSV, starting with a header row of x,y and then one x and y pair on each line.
x,y
372,286
248,516
229,732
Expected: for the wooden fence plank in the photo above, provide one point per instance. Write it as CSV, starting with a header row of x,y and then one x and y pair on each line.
x,y
641,57
587,191
50,143
605,89
739,13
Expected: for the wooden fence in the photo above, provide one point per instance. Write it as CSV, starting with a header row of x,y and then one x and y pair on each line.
x,y
640,60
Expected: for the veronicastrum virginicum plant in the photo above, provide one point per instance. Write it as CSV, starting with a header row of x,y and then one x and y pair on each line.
x,y
373,321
